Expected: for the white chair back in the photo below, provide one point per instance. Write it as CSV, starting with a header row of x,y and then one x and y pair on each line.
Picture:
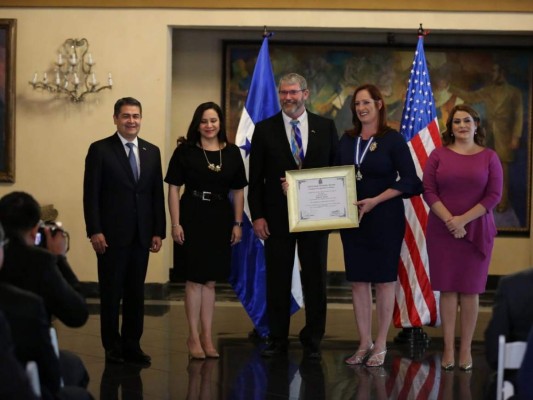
x,y
53,339
32,372
55,345
510,356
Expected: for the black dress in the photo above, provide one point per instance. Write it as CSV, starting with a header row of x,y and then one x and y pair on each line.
x,y
207,225
372,251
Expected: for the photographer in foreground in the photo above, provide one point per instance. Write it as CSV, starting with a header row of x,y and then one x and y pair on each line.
x,y
44,272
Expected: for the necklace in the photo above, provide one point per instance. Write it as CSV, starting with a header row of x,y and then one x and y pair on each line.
x,y
360,157
212,166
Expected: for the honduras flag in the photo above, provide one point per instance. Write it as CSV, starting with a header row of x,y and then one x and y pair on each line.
x,y
248,269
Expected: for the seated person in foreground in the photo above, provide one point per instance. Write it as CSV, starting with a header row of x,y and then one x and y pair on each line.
x,y
44,272
512,316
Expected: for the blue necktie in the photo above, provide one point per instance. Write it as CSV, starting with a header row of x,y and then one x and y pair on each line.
x,y
296,143
133,161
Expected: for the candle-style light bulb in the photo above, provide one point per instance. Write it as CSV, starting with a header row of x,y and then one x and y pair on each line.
x,y
90,60
58,79
110,79
93,79
45,78
34,80
76,79
60,59
73,60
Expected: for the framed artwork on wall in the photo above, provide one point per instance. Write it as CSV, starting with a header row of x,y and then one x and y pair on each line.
x,y
7,99
481,76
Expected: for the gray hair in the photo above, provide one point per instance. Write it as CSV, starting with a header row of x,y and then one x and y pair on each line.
x,y
293,78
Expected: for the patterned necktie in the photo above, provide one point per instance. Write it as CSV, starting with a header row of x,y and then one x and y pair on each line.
x,y
296,143
133,161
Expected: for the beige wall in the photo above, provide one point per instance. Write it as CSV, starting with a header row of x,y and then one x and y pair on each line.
x,y
136,46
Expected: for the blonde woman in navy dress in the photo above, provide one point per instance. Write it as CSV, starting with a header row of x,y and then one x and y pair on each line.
x,y
385,174
462,185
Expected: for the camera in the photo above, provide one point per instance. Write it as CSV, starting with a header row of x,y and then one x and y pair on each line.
x,y
55,228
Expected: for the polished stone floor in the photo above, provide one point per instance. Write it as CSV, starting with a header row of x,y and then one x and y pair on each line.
x,y
241,373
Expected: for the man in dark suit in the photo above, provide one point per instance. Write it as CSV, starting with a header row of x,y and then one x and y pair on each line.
x,y
512,316
125,218
276,148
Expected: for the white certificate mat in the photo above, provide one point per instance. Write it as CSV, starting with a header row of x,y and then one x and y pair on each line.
x,y
322,198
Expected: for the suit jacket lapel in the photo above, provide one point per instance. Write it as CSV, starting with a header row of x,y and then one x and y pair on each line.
x,y
143,159
119,150
287,151
313,144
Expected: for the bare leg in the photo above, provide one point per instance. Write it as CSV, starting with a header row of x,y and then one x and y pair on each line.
x,y
469,313
448,315
362,304
206,318
193,304
384,308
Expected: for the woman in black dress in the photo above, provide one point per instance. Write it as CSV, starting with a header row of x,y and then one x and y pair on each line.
x,y
385,173
205,222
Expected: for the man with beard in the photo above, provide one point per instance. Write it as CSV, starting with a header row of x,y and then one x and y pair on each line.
x,y
292,139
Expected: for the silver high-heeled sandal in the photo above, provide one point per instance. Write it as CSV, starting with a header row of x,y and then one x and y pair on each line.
x,y
359,356
376,359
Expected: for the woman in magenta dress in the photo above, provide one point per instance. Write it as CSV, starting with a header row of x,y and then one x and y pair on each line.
x,y
462,185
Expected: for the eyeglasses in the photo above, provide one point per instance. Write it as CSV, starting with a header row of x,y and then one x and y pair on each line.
x,y
291,92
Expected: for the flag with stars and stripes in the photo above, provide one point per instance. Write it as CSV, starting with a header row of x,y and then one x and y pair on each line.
x,y
248,269
416,304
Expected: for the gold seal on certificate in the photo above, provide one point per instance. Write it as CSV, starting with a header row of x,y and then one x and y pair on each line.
x,y
322,198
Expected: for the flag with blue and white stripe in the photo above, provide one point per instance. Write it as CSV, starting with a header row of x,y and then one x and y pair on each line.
x,y
248,269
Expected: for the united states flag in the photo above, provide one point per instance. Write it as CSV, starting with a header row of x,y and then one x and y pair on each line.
x,y
416,304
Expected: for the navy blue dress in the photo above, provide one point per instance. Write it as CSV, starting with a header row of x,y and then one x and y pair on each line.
x,y
372,251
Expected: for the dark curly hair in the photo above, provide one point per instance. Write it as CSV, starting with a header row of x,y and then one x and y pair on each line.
x,y
447,135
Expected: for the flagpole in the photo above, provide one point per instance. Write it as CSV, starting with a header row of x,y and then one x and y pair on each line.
x,y
415,336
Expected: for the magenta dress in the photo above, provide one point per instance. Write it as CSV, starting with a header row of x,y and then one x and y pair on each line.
x,y
460,182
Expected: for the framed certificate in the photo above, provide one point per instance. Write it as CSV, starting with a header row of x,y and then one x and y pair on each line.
x,y
322,198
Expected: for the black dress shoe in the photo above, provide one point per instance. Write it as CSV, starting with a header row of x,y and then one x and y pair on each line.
x,y
274,349
114,357
137,357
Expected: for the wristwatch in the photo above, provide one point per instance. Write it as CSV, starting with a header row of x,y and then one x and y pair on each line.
x,y
238,223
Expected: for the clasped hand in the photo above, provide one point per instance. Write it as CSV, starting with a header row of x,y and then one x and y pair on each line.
x,y
456,227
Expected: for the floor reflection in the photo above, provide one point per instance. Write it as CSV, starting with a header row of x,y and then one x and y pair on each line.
x,y
124,379
241,373
200,379
251,377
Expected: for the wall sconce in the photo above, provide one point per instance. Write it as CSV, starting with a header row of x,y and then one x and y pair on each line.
x,y
73,74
